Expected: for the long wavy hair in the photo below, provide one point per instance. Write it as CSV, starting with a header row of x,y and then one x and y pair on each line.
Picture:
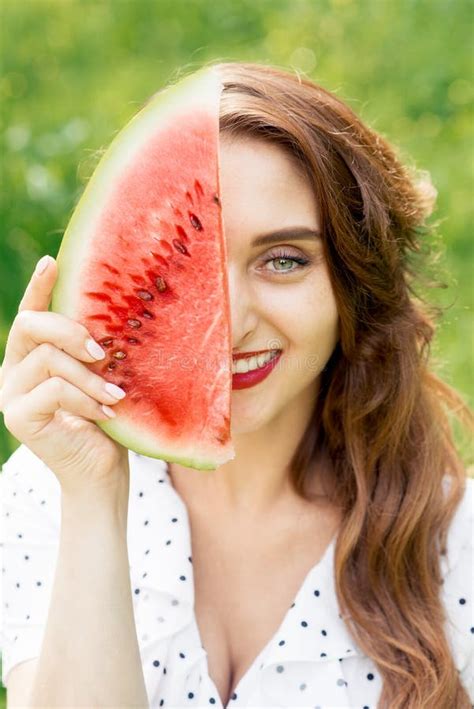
x,y
382,417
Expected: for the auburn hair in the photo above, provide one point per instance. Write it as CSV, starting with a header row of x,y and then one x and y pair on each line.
x,y
381,417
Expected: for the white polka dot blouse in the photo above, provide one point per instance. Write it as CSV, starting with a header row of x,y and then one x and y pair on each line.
x,y
311,660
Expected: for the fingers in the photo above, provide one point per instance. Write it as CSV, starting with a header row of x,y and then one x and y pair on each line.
x,y
30,329
27,415
46,362
38,292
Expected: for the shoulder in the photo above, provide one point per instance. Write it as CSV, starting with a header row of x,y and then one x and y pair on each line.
x,y
30,486
24,466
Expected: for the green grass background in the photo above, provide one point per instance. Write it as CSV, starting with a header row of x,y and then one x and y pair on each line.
x,y
75,71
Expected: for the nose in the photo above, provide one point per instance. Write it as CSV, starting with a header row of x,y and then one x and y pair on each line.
x,y
243,313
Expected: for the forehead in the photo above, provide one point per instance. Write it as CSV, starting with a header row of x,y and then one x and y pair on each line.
x,y
263,187
260,156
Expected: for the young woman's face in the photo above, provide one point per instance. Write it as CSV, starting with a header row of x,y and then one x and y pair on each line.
x,y
276,303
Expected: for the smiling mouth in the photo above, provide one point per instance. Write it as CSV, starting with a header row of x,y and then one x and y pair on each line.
x,y
249,362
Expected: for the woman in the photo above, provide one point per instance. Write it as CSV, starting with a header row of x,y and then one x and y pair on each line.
x,y
331,571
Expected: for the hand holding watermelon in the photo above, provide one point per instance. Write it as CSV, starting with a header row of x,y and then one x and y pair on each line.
x,y
50,400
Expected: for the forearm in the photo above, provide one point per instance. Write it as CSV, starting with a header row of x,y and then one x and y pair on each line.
x,y
90,656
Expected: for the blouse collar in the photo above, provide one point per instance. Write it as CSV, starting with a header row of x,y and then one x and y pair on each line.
x,y
312,631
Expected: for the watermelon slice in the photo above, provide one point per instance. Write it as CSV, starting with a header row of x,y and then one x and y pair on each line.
x,y
142,265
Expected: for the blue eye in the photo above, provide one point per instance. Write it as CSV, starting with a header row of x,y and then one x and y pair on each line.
x,y
281,258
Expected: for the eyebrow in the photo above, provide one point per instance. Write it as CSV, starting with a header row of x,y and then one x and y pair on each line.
x,y
291,233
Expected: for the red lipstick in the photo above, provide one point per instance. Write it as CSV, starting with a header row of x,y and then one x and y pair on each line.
x,y
250,379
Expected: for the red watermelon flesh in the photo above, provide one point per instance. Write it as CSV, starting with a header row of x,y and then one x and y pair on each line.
x,y
142,265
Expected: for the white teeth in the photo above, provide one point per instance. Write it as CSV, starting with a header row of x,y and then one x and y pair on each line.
x,y
244,365
248,364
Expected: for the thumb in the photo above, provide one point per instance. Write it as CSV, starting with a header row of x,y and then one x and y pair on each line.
x,y
37,295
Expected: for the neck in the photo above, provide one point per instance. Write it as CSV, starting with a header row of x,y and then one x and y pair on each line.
x,y
256,482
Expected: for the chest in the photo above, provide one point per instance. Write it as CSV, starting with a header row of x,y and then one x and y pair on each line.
x,y
244,586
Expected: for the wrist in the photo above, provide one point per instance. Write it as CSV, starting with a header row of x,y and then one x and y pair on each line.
x,y
97,505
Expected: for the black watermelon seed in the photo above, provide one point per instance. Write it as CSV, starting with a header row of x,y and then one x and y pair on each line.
x,y
144,295
134,323
179,246
160,284
111,365
195,221
132,340
119,354
147,314
216,199
107,342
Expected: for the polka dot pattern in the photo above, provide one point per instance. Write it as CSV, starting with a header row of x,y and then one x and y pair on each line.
x,y
310,661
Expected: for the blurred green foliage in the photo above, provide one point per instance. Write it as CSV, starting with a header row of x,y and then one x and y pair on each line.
x,y
75,71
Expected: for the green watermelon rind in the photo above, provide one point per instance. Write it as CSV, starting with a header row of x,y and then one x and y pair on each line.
x,y
120,433
203,83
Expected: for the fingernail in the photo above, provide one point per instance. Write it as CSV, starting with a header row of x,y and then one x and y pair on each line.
x,y
94,349
42,265
115,390
108,411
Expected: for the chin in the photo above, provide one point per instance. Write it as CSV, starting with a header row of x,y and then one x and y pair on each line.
x,y
250,418
239,427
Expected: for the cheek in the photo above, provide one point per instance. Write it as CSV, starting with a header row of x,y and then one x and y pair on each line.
x,y
304,313
315,321
326,315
